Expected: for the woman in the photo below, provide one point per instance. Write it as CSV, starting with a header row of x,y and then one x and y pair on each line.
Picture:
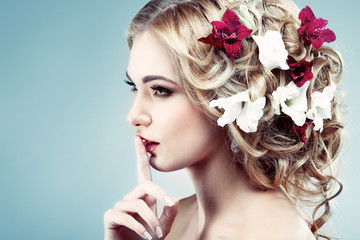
x,y
241,95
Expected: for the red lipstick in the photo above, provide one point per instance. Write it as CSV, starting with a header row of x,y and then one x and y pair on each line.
x,y
150,146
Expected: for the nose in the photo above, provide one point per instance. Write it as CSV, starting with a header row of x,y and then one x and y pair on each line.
x,y
139,114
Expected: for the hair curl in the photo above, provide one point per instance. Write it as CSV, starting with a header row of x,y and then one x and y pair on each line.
x,y
271,157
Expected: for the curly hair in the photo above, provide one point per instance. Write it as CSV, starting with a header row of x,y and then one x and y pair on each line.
x,y
271,157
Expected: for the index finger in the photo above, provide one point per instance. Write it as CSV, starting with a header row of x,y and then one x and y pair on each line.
x,y
143,164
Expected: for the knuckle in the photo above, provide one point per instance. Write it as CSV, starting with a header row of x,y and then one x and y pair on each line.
x,y
126,197
108,215
139,205
118,204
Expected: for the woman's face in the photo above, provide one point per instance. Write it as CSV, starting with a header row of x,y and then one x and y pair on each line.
x,y
175,133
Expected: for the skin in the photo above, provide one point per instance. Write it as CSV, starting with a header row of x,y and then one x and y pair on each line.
x,y
225,205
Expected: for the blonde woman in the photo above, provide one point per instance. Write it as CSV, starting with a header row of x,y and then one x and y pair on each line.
x,y
240,94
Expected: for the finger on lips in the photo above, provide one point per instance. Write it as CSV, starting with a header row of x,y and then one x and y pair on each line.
x,y
137,200
143,164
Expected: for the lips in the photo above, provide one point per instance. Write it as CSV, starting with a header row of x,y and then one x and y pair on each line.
x,y
150,146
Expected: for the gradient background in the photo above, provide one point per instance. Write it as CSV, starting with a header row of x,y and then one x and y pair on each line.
x,y
66,150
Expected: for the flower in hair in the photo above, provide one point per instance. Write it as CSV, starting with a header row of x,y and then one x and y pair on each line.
x,y
246,18
285,123
228,34
292,101
241,108
313,30
321,106
300,72
301,130
272,52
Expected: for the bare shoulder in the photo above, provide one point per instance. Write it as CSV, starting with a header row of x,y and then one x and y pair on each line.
x,y
277,219
187,207
188,201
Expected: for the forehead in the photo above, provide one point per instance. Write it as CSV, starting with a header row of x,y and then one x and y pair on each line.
x,y
149,57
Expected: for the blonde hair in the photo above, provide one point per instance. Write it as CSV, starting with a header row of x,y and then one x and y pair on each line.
x,y
271,157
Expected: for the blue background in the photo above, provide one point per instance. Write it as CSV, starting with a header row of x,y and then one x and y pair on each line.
x,y
66,150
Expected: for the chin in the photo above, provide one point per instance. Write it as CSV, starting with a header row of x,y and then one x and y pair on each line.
x,y
156,164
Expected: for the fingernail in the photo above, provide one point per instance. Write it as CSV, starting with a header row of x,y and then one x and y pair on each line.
x,y
147,235
159,232
168,201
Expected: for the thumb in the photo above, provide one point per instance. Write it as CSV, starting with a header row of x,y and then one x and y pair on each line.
x,y
168,216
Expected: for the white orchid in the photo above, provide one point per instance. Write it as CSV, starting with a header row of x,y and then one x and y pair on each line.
x,y
321,106
241,108
246,18
292,101
272,52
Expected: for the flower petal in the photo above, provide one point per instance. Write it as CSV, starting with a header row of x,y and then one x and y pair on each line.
x,y
306,15
232,50
282,94
212,41
249,117
327,35
232,106
241,108
246,18
230,18
301,131
221,29
321,106
272,52
242,32
292,101
230,114
319,23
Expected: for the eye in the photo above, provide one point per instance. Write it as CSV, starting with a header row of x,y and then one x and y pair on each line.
x,y
132,84
161,92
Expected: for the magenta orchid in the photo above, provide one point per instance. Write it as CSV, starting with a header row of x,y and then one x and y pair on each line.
x,y
301,131
228,34
313,30
300,72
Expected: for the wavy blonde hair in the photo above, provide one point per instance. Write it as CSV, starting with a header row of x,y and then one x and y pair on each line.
x,y
271,157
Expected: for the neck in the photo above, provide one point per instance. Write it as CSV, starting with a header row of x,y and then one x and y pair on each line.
x,y
218,182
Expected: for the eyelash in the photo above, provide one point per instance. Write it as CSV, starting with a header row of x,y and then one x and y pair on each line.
x,y
161,92
131,84
157,90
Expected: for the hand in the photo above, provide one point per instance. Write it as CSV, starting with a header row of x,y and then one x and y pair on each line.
x,y
136,215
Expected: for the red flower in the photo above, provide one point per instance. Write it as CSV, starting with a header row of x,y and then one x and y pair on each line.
x,y
228,34
301,131
313,30
300,72
287,125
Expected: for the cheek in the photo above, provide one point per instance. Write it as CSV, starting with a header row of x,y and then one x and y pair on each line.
x,y
188,134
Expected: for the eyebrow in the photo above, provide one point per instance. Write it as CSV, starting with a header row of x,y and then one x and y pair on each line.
x,y
150,78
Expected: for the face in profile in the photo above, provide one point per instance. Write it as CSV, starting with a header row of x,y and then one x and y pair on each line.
x,y
174,132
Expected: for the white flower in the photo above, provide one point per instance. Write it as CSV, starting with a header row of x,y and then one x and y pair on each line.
x,y
272,52
246,18
292,101
241,108
321,106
